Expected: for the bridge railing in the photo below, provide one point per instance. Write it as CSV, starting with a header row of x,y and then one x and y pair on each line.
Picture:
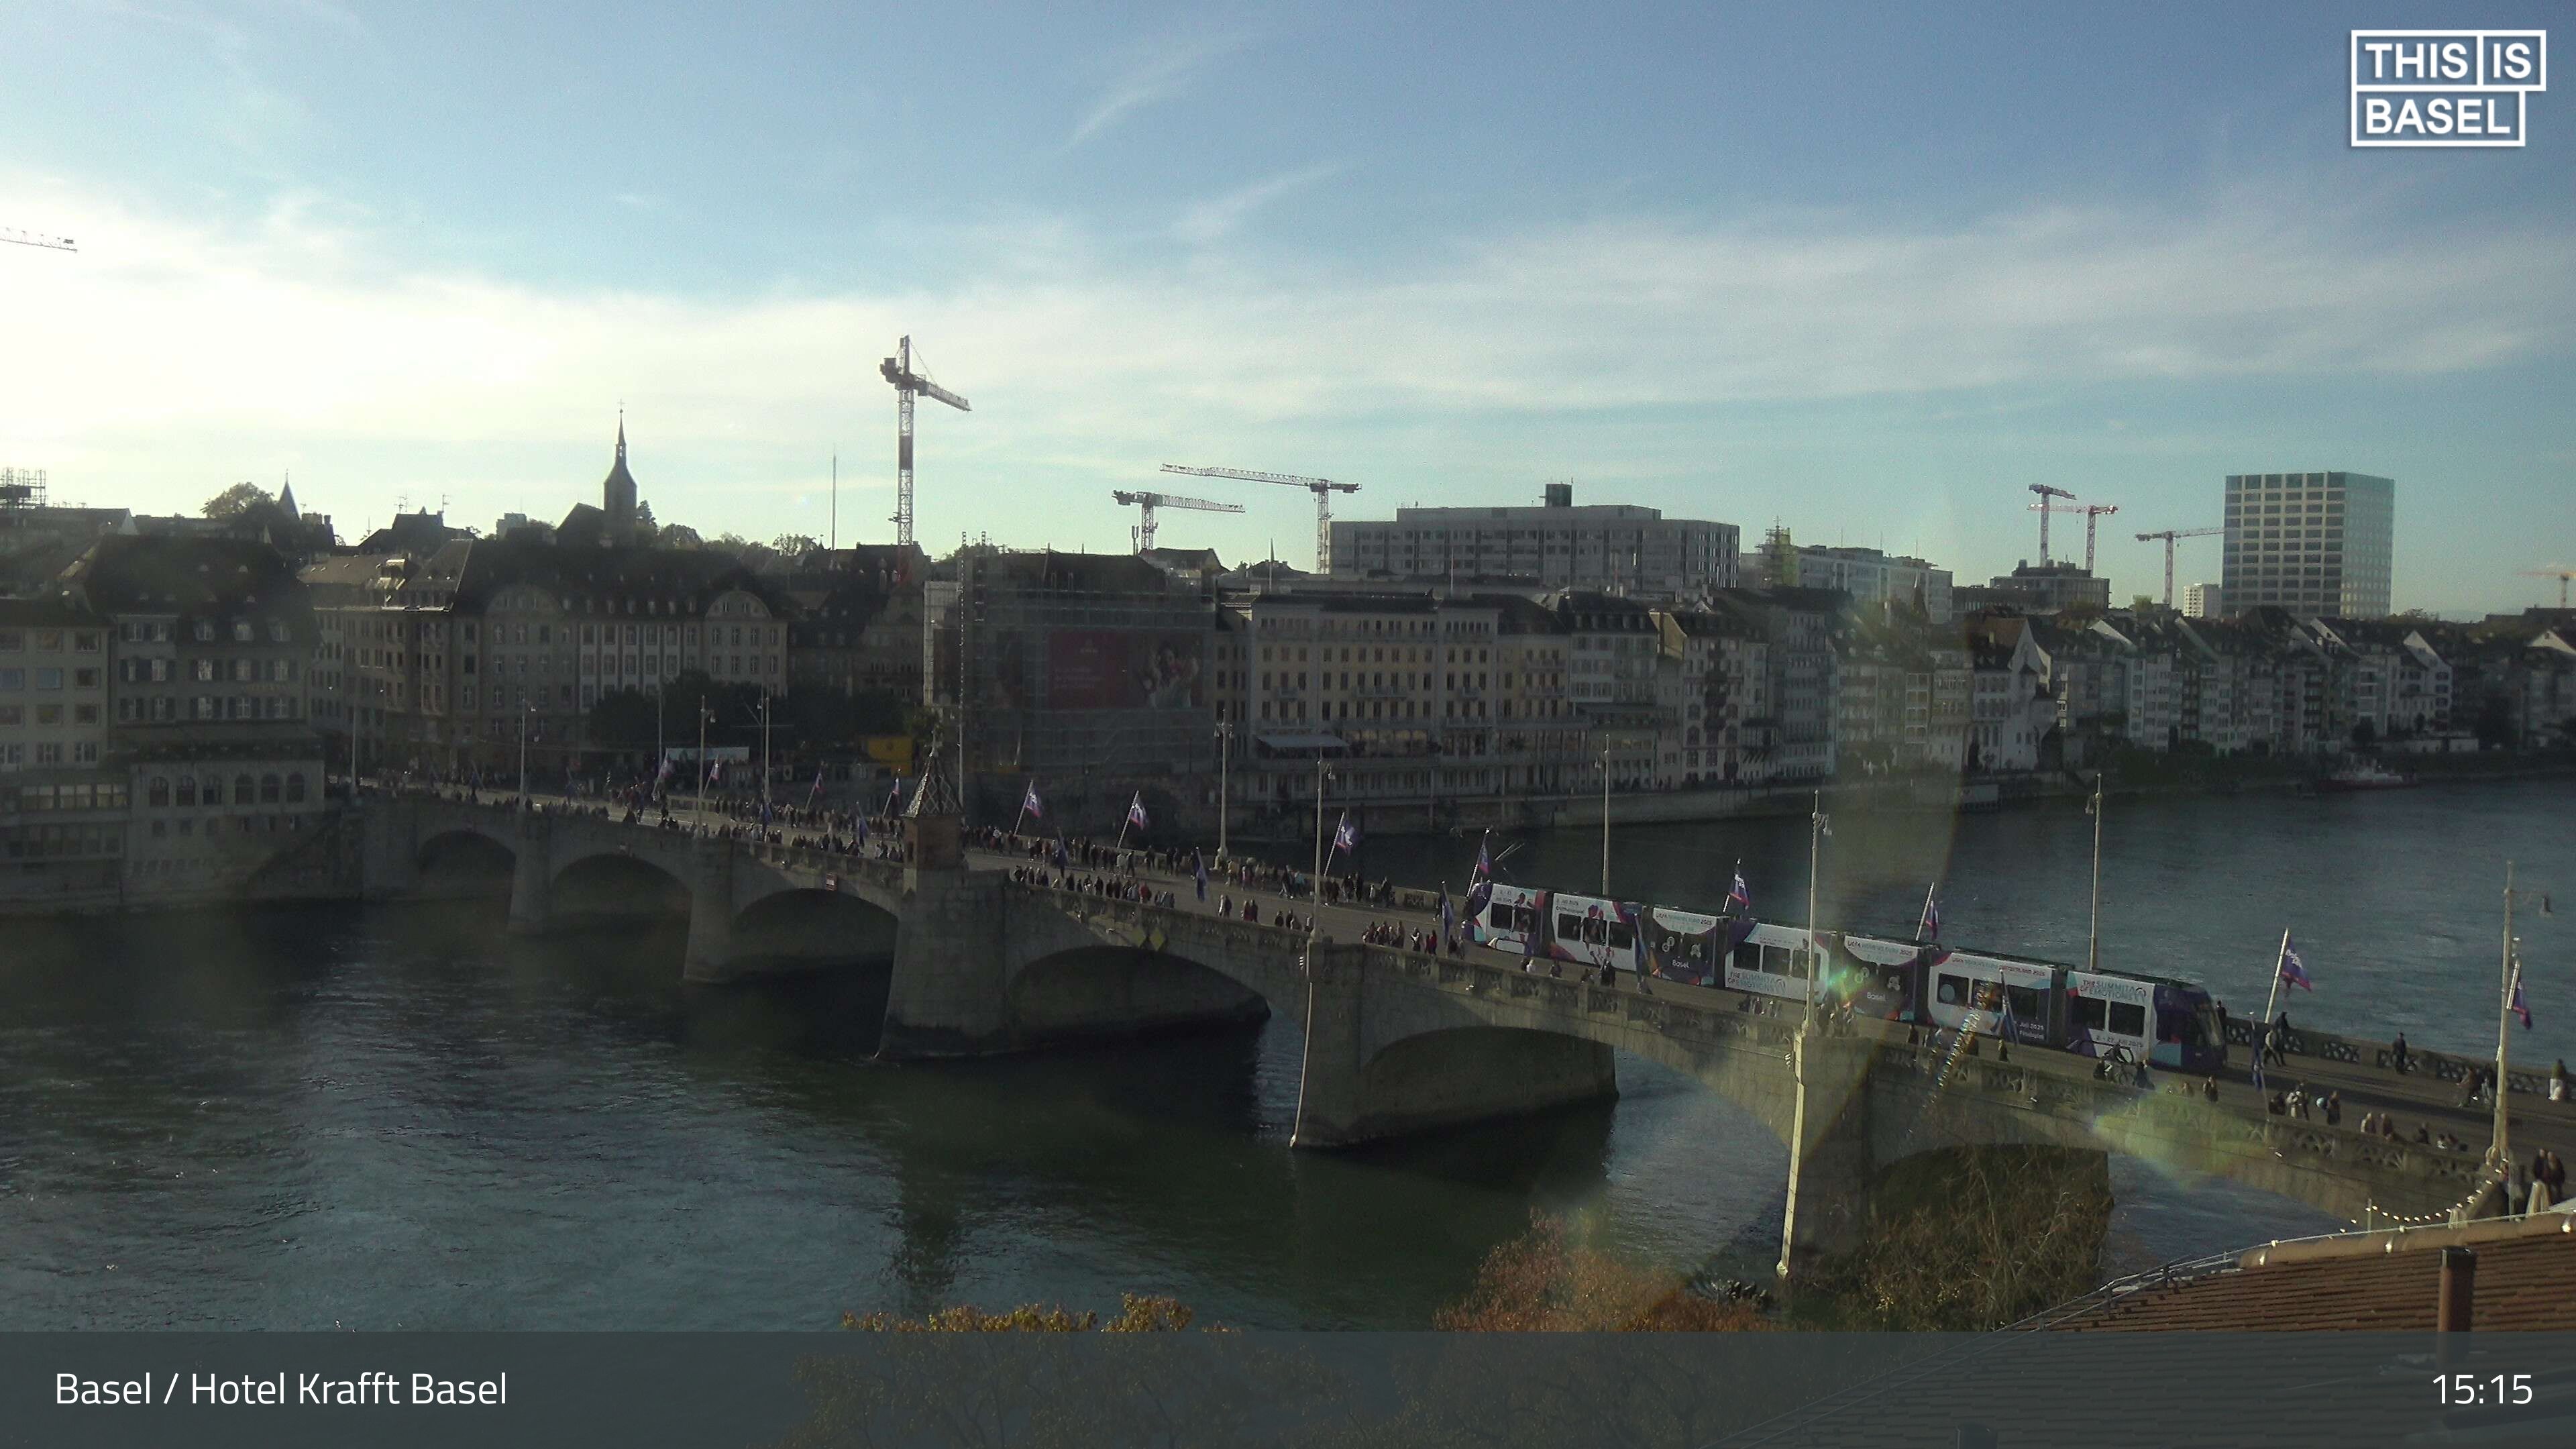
x,y
2352,1051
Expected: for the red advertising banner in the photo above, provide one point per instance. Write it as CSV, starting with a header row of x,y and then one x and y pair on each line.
x,y
1123,669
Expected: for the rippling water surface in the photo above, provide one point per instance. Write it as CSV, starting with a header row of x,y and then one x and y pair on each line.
x,y
403,1117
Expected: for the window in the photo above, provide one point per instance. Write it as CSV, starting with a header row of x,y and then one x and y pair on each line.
x,y
268,789
241,631
244,792
49,679
2128,1018
295,788
187,792
276,631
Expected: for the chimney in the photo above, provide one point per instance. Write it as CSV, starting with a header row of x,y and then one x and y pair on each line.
x,y
2457,1302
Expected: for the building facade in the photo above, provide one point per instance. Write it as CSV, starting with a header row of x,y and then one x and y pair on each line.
x,y
2315,544
1620,548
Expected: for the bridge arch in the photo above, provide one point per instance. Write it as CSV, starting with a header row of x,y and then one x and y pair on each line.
x,y
1101,989
812,925
1452,1075
615,885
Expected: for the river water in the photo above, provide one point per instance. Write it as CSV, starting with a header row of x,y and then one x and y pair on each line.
x,y
401,1117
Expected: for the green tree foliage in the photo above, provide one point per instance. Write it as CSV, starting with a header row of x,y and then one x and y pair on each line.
x,y
237,500
625,719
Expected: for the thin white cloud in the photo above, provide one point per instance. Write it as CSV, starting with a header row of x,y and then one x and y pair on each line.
x,y
1155,73
1219,217
171,355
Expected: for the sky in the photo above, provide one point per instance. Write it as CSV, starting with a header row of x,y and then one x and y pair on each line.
x,y
1865,275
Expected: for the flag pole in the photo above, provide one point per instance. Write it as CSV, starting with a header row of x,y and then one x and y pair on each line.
x,y
1123,822
2270,1001
1928,892
1024,807
2499,1149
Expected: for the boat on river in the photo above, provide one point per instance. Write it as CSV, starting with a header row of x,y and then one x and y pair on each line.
x,y
2364,775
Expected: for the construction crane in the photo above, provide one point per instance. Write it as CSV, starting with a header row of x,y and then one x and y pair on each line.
x,y
1146,503
2093,515
2169,535
2042,509
2562,575
36,239
1322,488
898,370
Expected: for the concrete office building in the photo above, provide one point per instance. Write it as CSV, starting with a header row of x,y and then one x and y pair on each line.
x,y
1615,547
2313,544
1873,577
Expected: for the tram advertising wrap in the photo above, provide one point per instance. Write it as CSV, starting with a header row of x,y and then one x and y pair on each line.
x,y
1511,921
1881,977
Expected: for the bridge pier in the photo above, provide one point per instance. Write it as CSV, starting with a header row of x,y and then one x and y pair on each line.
x,y
390,866
709,956
1353,1090
532,878
949,996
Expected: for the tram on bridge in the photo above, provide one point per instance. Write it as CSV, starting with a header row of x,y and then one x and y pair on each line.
x,y
2029,1002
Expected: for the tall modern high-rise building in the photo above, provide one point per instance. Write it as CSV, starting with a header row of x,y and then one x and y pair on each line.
x,y
2202,601
2315,544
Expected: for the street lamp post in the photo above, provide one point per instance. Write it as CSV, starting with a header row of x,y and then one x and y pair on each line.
x,y
1605,822
526,712
704,709
1817,827
1224,761
1321,775
2093,943
764,756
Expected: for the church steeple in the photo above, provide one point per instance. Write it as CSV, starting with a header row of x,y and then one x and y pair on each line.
x,y
617,492
286,499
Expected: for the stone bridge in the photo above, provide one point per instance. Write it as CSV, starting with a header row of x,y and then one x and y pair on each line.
x,y
1396,1042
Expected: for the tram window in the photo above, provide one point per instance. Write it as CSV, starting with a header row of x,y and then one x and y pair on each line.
x,y
1954,991
2024,1002
2181,1026
2128,1018
1747,957
2088,1012
1569,928
1622,937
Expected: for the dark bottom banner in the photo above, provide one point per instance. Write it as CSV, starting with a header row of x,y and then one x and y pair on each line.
x,y
1294,1391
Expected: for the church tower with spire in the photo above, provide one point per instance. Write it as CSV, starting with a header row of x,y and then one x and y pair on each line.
x,y
617,492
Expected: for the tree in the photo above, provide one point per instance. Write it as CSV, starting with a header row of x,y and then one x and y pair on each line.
x,y
1544,1281
1964,1239
793,547
237,500
680,535
645,527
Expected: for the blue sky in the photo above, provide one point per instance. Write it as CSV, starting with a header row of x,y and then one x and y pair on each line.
x,y
1862,275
